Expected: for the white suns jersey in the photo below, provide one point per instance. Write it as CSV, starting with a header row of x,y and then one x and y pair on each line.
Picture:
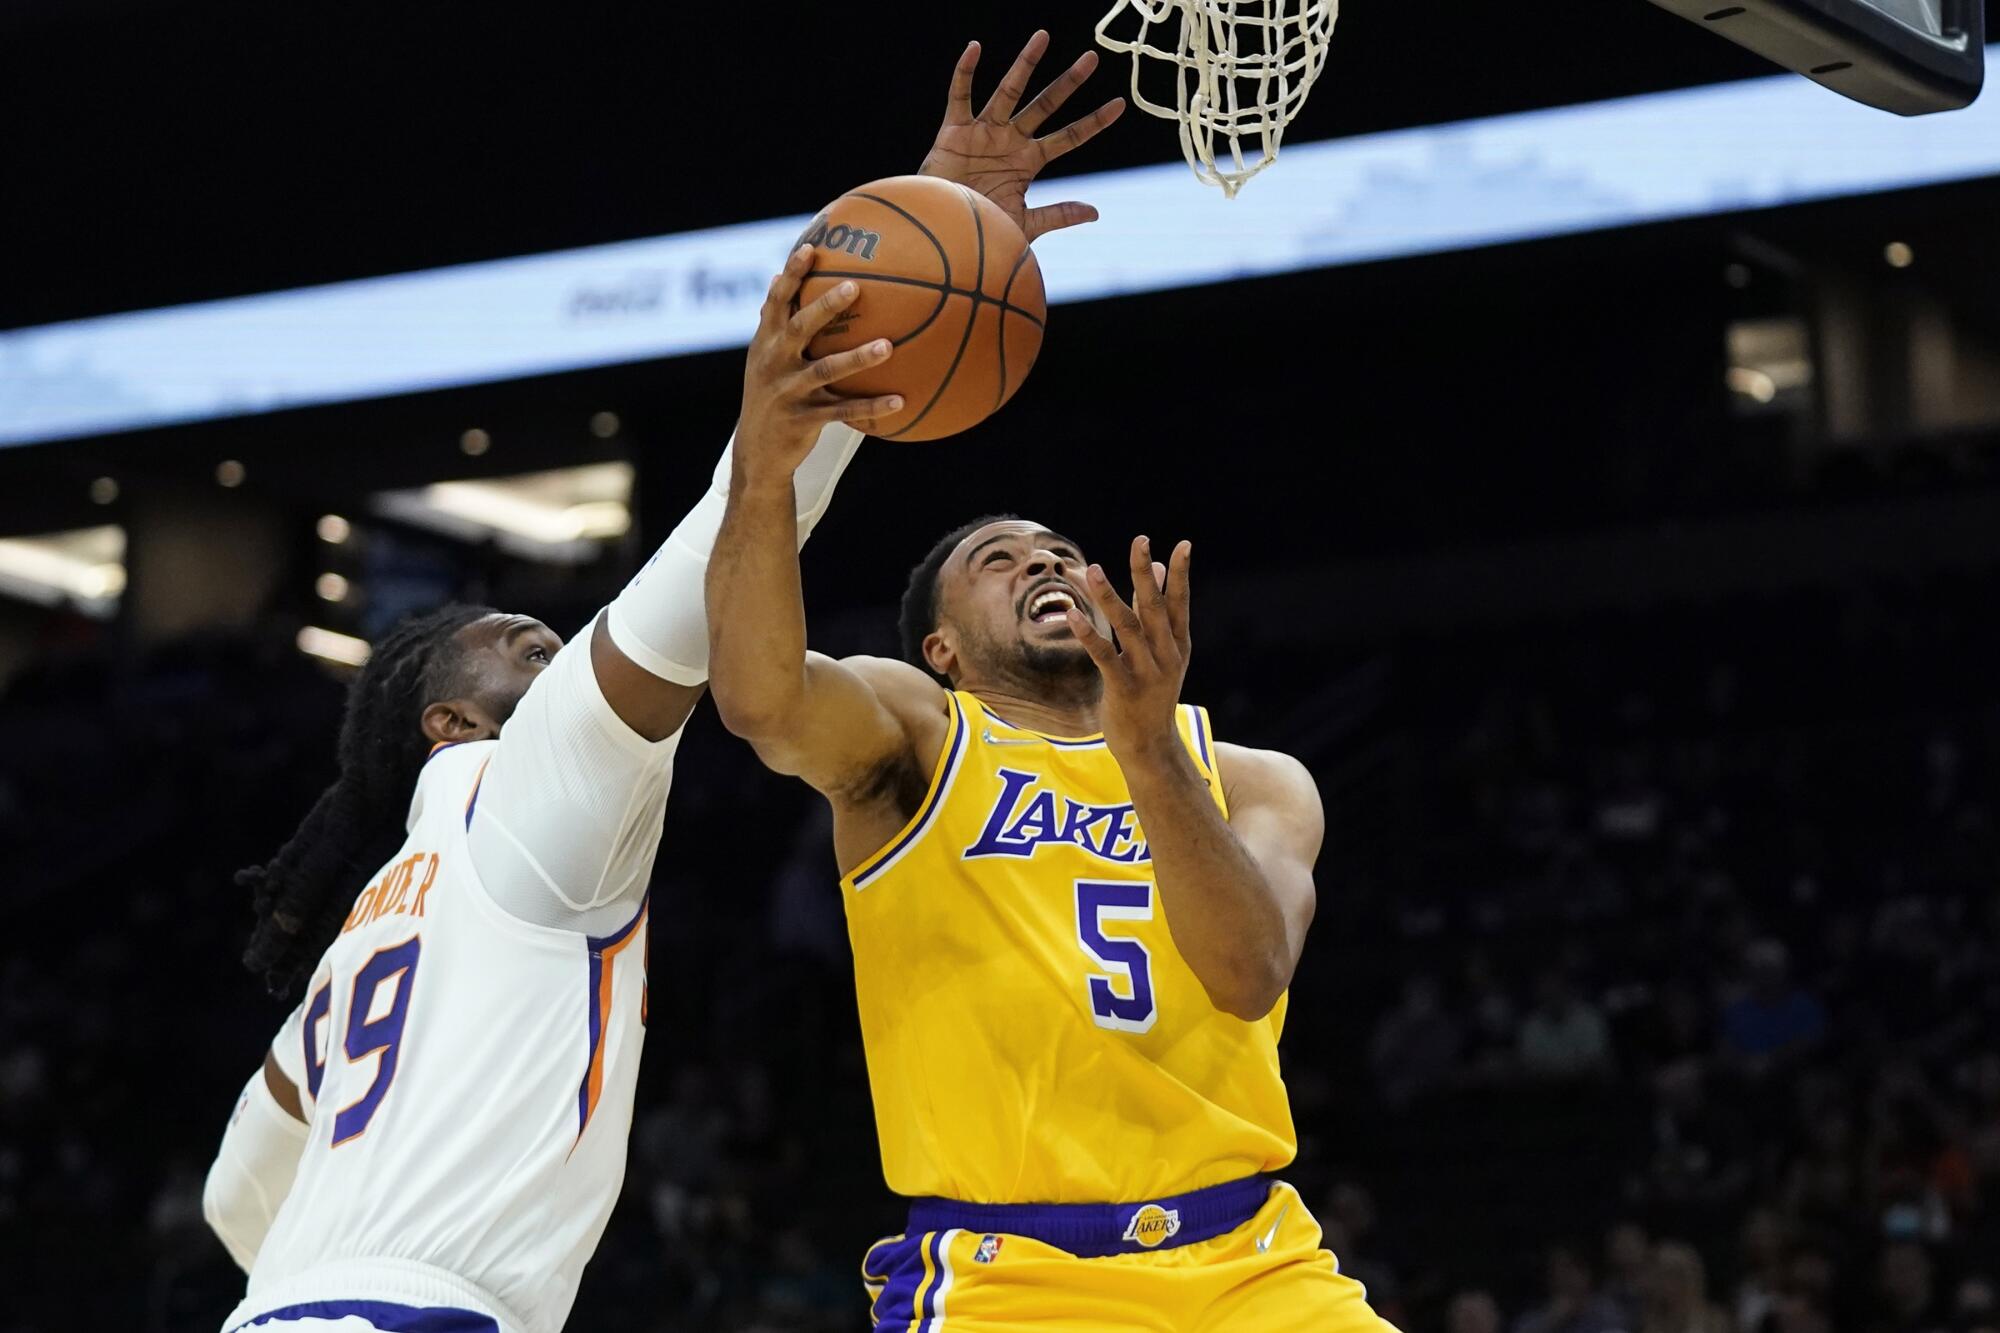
x,y
468,1079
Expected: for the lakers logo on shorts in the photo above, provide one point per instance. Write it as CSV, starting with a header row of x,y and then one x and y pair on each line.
x,y
1151,1225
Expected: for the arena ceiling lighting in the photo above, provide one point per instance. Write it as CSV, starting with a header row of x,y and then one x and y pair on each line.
x,y
559,517
1734,147
84,567
332,646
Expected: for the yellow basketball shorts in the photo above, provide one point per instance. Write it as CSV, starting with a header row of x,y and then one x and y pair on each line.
x,y
1172,1266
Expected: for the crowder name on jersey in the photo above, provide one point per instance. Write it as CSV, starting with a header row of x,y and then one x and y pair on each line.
x,y
391,895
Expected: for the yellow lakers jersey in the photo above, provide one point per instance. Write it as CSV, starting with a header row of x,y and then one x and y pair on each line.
x,y
1033,1035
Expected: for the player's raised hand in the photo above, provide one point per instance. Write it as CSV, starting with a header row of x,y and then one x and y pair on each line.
x,y
1144,670
997,152
788,397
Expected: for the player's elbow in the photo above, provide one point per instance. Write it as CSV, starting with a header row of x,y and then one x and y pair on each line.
x,y
1251,986
753,715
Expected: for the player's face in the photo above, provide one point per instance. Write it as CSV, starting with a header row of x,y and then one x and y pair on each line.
x,y
504,655
1003,596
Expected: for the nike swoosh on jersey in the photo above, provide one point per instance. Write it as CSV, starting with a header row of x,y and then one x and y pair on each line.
x,y
1264,1241
987,735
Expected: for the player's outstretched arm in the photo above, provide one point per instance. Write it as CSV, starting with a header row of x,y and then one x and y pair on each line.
x,y
1238,893
831,723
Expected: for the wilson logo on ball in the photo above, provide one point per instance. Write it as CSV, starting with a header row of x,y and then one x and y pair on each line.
x,y
949,282
849,240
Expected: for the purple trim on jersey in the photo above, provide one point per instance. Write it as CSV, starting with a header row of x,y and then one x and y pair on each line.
x,y
472,801
1097,1230
599,946
930,807
1201,738
1089,743
590,1051
903,1261
603,943
385,1316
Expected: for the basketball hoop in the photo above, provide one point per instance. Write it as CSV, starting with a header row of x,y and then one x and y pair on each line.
x,y
1242,69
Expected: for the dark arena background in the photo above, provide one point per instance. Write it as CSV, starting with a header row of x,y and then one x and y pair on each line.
x,y
1632,589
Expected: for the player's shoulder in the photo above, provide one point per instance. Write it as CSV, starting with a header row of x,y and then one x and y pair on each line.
x,y
900,686
451,757
449,773
1254,776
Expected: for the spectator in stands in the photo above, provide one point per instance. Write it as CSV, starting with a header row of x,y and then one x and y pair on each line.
x,y
1674,1027
1906,1292
1762,1268
1574,1304
1565,1036
1491,1021
1416,1044
1701,1150
1796,1313
1822,1189
1981,1078
1473,1312
1628,1253
1677,1294
1349,1219
1977,1304
1773,1021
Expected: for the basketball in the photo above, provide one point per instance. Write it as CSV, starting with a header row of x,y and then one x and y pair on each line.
x,y
947,278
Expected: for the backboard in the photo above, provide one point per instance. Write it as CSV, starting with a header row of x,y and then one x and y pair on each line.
x,y
1908,56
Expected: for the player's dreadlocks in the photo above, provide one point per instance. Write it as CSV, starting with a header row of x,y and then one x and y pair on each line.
x,y
919,615
303,894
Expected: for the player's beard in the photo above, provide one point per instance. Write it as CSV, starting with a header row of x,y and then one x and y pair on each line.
x,y
1060,671
1063,664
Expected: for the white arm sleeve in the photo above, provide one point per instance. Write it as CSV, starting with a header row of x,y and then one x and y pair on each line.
x,y
659,621
256,1163
568,816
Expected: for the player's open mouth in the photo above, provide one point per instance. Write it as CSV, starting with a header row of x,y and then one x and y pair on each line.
x,y
1050,605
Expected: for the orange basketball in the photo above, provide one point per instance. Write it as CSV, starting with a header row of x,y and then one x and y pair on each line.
x,y
949,280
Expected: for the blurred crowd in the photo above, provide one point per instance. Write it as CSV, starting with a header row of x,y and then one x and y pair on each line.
x,y
1655,984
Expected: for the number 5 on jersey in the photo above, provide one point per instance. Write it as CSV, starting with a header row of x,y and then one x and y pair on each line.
x,y
381,1037
1126,960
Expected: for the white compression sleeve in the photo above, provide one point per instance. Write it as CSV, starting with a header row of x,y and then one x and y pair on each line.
x,y
659,621
252,1172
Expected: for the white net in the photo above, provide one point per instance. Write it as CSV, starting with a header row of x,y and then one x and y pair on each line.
x,y
1241,70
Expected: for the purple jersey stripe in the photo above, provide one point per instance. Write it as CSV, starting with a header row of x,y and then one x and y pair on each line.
x,y
600,945
930,807
384,1315
595,1034
902,1260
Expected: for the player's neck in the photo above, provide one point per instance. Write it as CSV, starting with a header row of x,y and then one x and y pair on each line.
x,y
1051,712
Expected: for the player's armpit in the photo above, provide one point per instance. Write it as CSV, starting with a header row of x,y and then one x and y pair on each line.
x,y
1275,811
850,720
283,1091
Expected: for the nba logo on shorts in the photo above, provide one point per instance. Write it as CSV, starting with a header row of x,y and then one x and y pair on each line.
x,y
1153,1224
987,1249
